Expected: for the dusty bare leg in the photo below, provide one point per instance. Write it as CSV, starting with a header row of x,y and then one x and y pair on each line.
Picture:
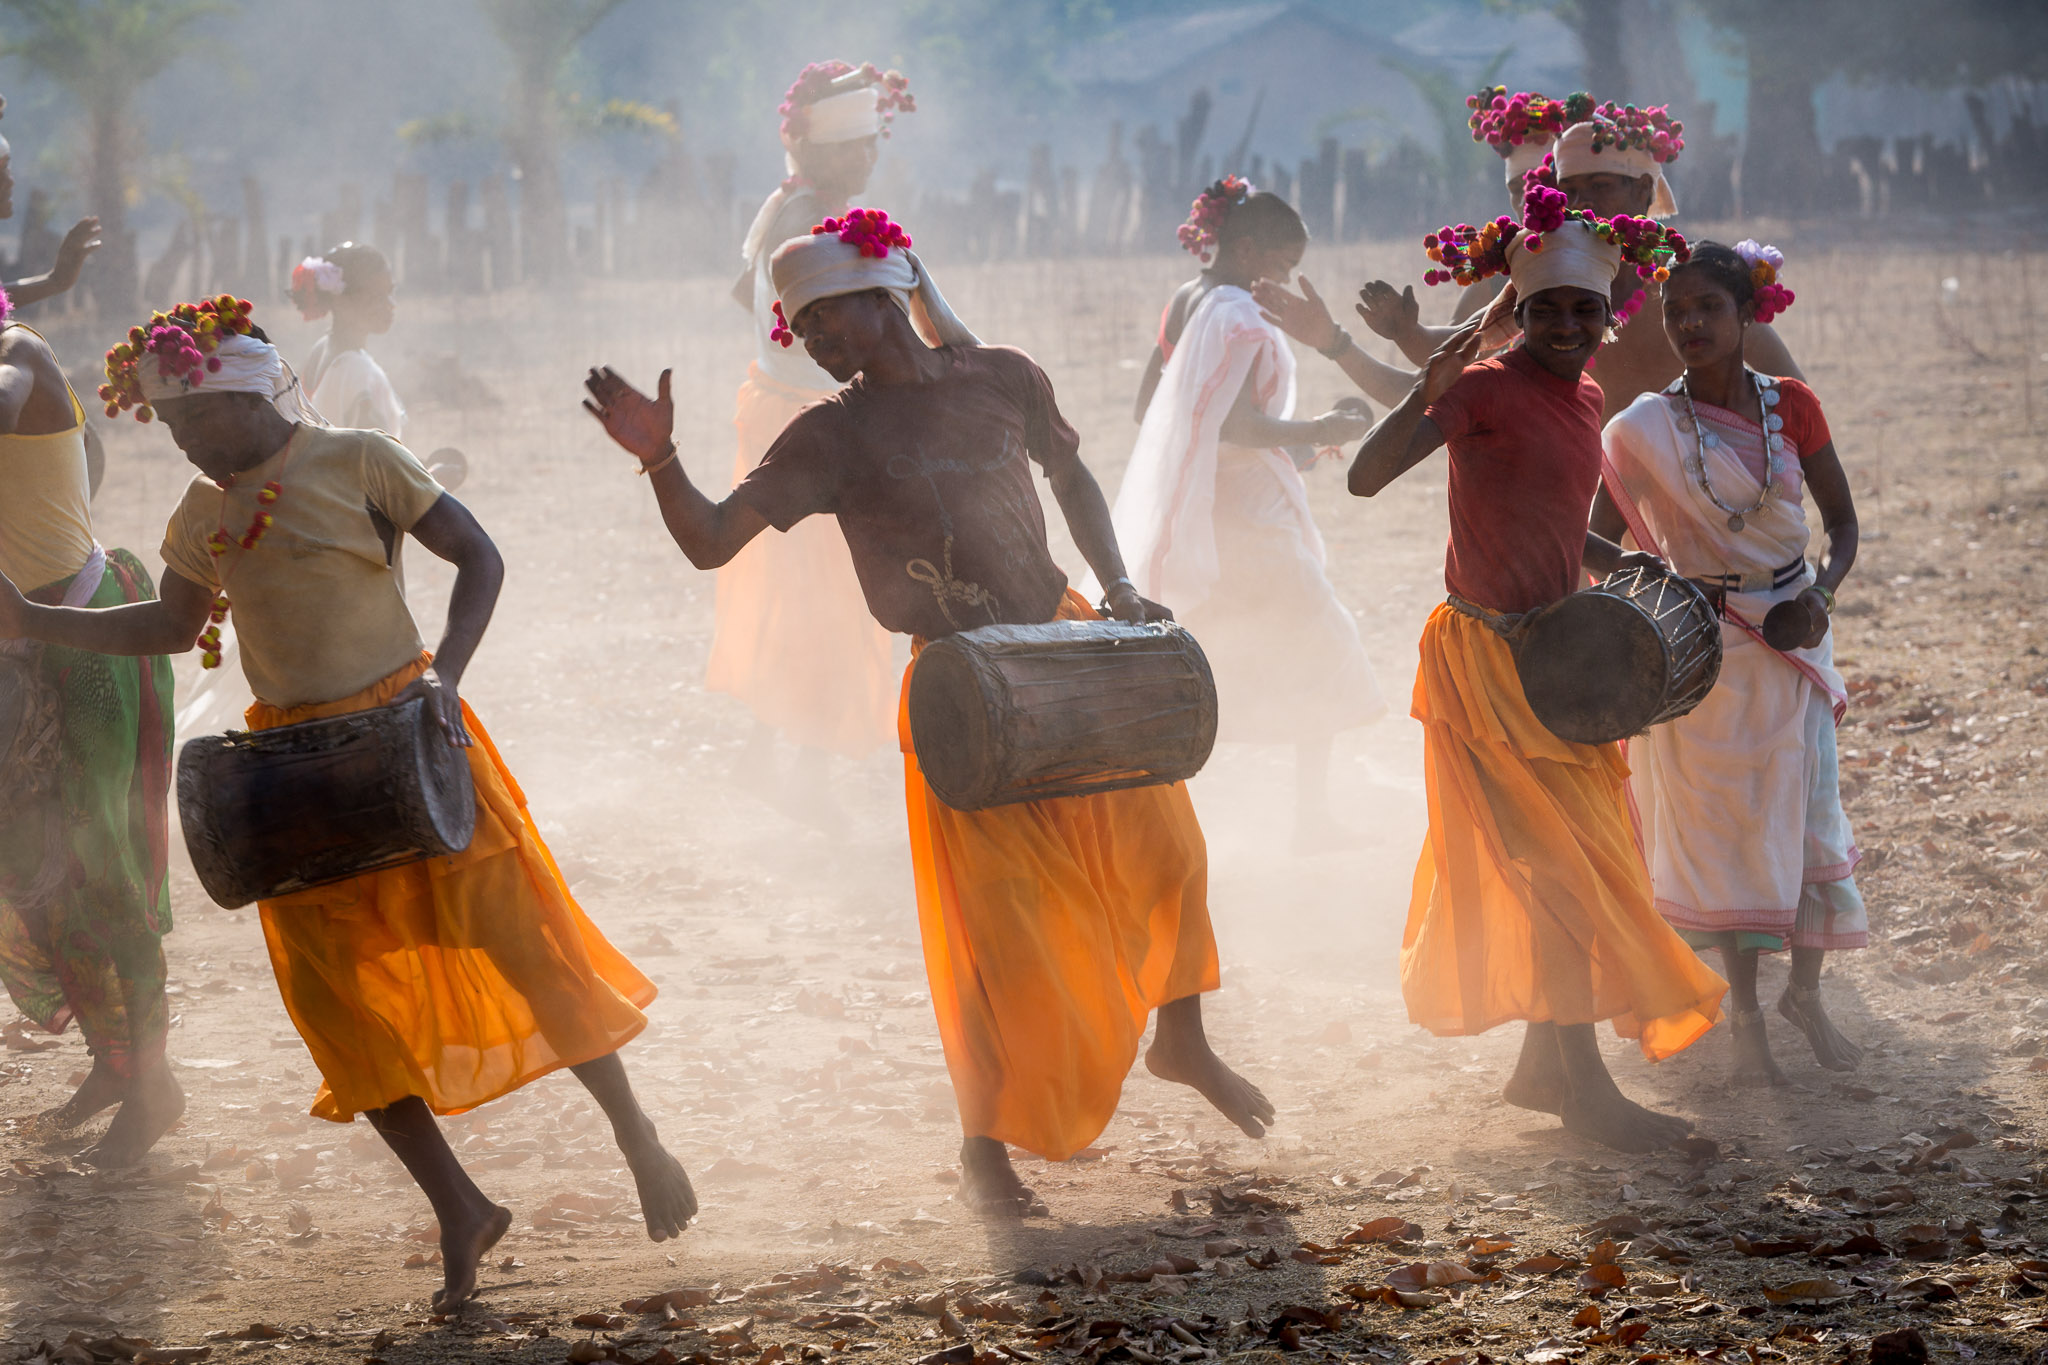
x,y
1594,1106
1180,1053
1538,1082
470,1223
1753,1062
989,1183
666,1200
154,1103
101,1090
1801,1004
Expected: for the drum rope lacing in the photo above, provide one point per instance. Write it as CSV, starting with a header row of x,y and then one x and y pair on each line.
x,y
1766,399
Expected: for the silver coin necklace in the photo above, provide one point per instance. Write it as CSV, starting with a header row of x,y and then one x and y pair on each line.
x,y
1766,399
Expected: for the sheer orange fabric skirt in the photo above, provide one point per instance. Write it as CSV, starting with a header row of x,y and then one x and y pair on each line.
x,y
792,636
458,979
1052,929
1530,899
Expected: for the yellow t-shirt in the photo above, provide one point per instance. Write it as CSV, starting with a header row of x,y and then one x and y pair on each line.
x,y
316,606
45,505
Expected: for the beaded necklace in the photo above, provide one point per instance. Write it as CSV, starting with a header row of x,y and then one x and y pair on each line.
x,y
1766,399
217,545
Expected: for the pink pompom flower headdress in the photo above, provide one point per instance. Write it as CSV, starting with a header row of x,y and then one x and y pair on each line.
x,y
871,230
1650,130
1766,265
1467,254
821,80
1200,233
181,341
1501,120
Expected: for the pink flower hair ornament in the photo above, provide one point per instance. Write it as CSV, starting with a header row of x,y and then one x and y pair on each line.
x,y
312,278
181,341
1501,120
1203,229
868,229
822,79
1765,265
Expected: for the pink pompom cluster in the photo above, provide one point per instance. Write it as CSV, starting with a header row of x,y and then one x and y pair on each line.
x,y
1765,263
1470,254
817,80
1204,227
780,332
868,229
182,341
1645,243
1651,130
1467,254
1502,120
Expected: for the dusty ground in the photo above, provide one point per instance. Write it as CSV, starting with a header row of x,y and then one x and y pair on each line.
x,y
1398,1211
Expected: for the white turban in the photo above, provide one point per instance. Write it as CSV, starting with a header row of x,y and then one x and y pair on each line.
x,y
1525,156
246,366
1572,255
806,269
845,117
1576,155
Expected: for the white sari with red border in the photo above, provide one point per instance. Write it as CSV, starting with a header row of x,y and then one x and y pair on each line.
x,y
1740,801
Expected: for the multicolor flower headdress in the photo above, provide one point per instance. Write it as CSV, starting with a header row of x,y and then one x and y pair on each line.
x,y
311,278
1501,120
1203,229
1650,130
868,230
181,343
821,81
1468,254
1766,264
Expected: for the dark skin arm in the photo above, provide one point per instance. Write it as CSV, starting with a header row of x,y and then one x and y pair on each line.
x,y
1087,513
80,242
1764,351
450,532
708,533
1306,318
1149,385
169,625
1405,437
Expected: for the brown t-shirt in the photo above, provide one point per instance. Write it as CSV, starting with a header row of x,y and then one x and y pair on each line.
x,y
932,487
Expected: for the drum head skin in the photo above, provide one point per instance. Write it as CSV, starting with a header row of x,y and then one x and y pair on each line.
x,y
1593,668
950,722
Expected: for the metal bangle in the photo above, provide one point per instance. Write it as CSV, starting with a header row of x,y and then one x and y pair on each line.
x,y
1828,596
663,463
1337,347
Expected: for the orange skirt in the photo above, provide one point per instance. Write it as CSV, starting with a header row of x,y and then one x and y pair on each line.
x,y
792,637
1051,930
457,979
1530,899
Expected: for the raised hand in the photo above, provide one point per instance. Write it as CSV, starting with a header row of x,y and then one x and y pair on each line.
x,y
79,243
1450,360
1305,317
638,423
1390,315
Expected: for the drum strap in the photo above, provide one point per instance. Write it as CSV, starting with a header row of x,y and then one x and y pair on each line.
x,y
1506,624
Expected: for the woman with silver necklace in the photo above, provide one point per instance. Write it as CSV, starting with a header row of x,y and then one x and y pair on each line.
x,y
1748,847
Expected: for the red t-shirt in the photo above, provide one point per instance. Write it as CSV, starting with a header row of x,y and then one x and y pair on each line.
x,y
1525,458
933,490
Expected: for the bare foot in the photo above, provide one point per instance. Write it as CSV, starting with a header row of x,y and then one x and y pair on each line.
x,y
989,1183
101,1090
463,1246
666,1200
1608,1117
1830,1048
1538,1082
1192,1062
1754,1064
154,1103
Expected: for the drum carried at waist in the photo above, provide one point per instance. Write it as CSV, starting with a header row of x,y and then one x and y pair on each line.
x,y
1069,708
270,812
1610,661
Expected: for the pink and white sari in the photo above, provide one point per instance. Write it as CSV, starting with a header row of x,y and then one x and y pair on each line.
x,y
1740,801
1223,536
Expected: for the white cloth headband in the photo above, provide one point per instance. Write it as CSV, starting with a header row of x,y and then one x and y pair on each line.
x,y
1525,156
1576,155
846,117
1572,255
806,269
246,366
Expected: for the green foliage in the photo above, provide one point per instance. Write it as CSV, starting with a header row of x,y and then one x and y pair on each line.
x,y
1957,42
102,51
439,128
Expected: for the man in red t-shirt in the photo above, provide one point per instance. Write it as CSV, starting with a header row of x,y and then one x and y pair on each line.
x,y
1052,929
1530,899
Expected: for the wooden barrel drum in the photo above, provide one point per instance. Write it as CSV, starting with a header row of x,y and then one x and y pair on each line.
x,y
1610,661
1070,708
270,812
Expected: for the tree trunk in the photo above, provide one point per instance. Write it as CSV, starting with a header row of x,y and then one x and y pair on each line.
x,y
1781,159
1600,35
111,272
543,216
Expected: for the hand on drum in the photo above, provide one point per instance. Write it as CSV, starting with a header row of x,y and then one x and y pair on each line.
x,y
1799,623
1123,602
638,423
447,706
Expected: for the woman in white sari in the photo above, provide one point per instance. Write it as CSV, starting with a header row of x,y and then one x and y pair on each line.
x,y
1213,514
1741,812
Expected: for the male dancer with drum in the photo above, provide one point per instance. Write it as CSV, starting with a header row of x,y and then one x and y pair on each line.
x,y
84,901
427,988
1530,900
1051,928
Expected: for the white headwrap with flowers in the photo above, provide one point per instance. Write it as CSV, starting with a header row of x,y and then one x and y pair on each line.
x,y
1525,156
1573,255
828,264
1579,152
246,366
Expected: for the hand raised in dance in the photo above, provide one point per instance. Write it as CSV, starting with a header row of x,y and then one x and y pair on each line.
x,y
445,705
79,243
1305,316
1450,361
1390,315
638,423
1127,606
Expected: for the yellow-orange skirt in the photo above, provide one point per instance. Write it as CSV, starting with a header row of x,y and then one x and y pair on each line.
x,y
1530,899
1052,929
458,979
792,637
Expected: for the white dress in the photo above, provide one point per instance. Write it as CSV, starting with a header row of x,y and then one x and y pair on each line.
x,y
351,390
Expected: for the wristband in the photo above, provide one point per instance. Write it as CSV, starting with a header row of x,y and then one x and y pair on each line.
x,y
1116,583
1337,347
663,463
1827,595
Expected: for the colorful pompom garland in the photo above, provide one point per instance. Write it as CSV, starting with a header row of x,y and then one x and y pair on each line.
x,y
217,545
1200,233
1765,265
1502,120
868,229
182,342
780,332
1467,254
1651,130
818,80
